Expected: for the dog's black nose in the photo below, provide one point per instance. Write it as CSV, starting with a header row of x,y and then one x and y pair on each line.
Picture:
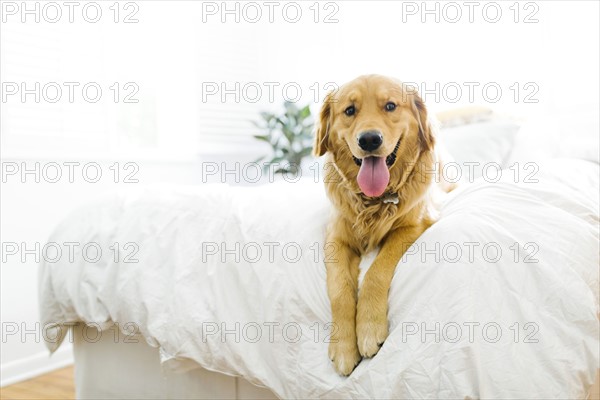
x,y
370,140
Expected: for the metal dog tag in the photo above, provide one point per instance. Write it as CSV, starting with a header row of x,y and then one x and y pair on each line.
x,y
391,198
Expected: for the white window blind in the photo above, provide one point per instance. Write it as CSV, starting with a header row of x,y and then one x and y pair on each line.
x,y
171,55
36,62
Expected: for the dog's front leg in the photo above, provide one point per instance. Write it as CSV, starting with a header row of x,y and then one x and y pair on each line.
x,y
342,285
371,318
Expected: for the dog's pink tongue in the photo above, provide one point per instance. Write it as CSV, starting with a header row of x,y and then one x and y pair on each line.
x,y
373,176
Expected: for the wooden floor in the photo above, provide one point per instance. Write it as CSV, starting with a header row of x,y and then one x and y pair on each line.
x,y
60,385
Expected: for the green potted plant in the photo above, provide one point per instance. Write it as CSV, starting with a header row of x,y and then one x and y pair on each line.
x,y
289,135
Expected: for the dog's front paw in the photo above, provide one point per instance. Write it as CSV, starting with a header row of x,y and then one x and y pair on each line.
x,y
371,325
343,352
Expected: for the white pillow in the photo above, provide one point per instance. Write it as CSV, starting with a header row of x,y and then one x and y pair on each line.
x,y
572,135
481,143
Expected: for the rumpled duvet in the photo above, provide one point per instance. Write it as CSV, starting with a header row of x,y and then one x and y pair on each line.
x,y
498,299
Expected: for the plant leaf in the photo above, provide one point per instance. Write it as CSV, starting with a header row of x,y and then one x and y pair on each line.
x,y
305,151
304,113
264,138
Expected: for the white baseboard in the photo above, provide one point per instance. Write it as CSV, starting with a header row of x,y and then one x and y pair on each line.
x,y
38,364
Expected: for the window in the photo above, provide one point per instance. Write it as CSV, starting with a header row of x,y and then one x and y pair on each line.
x,y
180,80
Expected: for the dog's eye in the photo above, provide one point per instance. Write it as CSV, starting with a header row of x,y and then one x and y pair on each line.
x,y
350,111
390,106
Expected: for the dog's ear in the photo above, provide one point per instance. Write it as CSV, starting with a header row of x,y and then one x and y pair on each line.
x,y
322,132
426,137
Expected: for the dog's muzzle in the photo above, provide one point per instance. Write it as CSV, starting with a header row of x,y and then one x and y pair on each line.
x,y
389,160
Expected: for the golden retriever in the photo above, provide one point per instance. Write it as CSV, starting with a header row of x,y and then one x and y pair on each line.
x,y
379,176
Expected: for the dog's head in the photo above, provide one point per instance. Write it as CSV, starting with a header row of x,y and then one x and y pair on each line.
x,y
372,126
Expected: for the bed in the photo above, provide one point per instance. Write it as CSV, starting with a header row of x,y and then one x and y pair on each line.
x,y
219,292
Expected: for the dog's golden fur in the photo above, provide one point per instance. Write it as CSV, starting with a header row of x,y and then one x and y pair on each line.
x,y
362,223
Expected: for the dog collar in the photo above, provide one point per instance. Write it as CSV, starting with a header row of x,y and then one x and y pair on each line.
x,y
390,198
386,198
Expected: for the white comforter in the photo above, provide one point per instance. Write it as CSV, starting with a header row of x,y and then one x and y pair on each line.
x,y
473,326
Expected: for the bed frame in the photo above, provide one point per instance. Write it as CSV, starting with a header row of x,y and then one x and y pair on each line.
x,y
112,369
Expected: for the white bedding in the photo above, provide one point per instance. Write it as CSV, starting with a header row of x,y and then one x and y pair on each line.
x,y
177,298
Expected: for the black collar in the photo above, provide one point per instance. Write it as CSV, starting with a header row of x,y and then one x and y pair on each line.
x,y
386,198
